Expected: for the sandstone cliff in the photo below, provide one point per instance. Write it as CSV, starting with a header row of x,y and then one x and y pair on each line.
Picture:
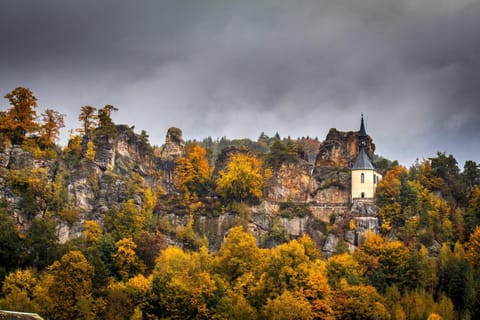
x,y
302,197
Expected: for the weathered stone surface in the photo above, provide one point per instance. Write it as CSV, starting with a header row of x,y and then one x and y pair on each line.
x,y
14,315
216,228
435,248
331,196
330,245
174,145
364,208
19,159
296,226
104,153
5,157
363,224
350,237
332,166
291,182
324,212
340,149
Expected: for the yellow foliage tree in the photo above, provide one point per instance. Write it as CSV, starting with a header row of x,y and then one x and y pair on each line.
x,y
183,285
386,262
125,221
18,290
126,259
125,300
359,302
242,180
193,172
93,231
149,203
289,268
238,255
388,196
473,248
90,153
287,307
74,144
345,266
67,288
426,176
234,306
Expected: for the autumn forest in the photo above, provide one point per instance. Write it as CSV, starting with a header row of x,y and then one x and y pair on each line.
x,y
102,229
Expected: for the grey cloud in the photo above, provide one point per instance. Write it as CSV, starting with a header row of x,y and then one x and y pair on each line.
x,y
238,68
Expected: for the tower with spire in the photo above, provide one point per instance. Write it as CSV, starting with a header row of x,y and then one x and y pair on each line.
x,y
364,174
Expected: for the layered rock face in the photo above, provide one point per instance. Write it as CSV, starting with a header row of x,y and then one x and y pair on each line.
x,y
122,169
20,170
327,193
124,166
334,160
291,182
174,145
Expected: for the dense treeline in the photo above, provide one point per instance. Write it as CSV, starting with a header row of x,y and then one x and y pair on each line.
x,y
102,278
424,264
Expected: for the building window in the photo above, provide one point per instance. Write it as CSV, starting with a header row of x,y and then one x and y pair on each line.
x,y
374,179
363,195
362,178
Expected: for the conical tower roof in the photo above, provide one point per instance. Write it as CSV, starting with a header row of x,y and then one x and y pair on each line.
x,y
362,133
363,161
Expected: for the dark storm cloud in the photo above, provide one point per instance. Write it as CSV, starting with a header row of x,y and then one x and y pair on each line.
x,y
237,68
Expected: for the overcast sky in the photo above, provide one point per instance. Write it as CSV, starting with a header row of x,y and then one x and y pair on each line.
x,y
237,68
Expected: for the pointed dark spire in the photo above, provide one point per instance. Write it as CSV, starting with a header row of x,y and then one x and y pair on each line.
x,y
363,160
362,133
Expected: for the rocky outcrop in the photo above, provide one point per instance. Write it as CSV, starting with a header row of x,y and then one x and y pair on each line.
x,y
14,315
123,152
340,149
174,145
330,245
22,172
332,166
124,166
291,182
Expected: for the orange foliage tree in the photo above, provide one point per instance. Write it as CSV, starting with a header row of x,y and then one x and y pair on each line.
x,y
193,172
53,121
20,119
89,119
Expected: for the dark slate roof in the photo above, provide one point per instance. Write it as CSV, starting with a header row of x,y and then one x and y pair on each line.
x,y
362,132
13,315
363,161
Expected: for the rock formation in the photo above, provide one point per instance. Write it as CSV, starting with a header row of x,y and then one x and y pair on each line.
x,y
124,166
174,145
291,182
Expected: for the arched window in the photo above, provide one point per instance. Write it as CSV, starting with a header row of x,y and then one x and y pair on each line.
x,y
362,178
363,195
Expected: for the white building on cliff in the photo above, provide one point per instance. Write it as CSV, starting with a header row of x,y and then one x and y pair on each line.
x,y
364,174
